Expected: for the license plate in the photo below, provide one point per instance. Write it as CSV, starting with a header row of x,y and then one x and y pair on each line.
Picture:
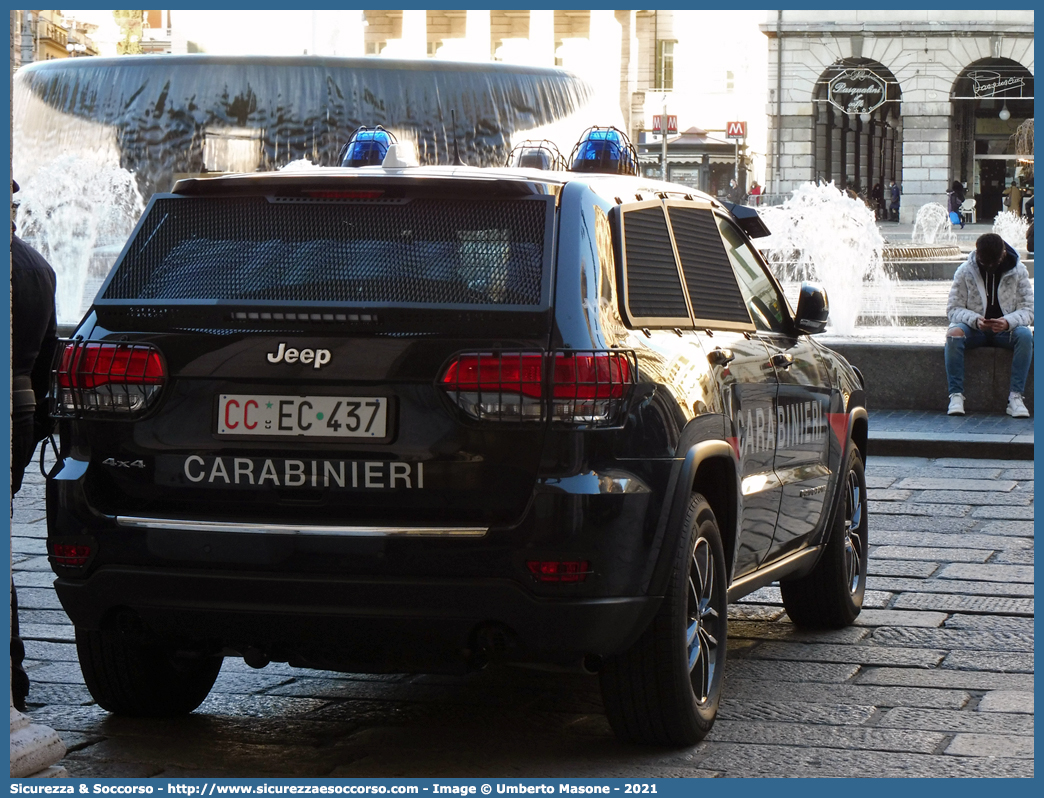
x,y
303,416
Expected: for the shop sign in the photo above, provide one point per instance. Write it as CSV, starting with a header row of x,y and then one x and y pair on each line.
x,y
856,91
987,83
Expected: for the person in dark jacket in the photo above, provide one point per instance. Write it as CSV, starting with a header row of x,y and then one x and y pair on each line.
x,y
877,198
894,196
990,304
34,339
956,200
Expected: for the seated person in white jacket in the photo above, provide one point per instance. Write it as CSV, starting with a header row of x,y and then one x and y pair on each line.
x,y
990,304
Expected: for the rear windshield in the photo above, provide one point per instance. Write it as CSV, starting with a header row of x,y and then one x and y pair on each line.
x,y
411,251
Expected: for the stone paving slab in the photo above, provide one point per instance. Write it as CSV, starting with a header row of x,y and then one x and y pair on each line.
x,y
822,672
784,733
991,623
1023,557
991,745
992,605
998,511
1019,528
949,541
921,569
1006,662
956,485
935,555
745,689
977,498
1006,701
861,654
953,720
922,523
938,510
968,588
900,618
945,679
957,640
797,760
991,573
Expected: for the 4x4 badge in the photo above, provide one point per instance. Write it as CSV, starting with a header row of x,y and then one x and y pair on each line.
x,y
317,357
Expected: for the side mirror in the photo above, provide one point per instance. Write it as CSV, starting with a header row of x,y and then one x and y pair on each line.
x,y
813,309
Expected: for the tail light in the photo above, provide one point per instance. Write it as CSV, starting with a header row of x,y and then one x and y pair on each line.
x,y
107,379
70,555
580,388
558,570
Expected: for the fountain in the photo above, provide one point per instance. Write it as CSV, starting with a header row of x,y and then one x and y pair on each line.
x,y
93,137
172,115
848,262
932,225
78,211
1012,228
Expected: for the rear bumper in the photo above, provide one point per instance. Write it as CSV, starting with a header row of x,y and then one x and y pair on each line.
x,y
365,624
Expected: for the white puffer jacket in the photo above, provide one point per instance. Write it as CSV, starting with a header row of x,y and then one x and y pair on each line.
x,y
967,301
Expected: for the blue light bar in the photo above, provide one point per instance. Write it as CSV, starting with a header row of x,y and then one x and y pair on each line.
x,y
366,147
606,150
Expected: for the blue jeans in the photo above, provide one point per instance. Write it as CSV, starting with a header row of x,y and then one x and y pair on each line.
x,y
1018,340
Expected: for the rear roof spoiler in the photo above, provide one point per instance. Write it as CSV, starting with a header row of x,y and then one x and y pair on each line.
x,y
749,220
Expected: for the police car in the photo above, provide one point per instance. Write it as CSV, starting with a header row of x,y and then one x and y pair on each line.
x,y
396,418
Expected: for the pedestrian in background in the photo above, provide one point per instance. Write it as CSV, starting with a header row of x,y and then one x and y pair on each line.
x,y
34,339
877,197
956,199
735,193
1013,198
990,304
893,201
755,193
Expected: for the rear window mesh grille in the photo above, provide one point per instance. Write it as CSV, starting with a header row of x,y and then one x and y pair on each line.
x,y
713,290
488,252
654,289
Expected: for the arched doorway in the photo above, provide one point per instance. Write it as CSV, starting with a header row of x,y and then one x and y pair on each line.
x,y
858,127
991,98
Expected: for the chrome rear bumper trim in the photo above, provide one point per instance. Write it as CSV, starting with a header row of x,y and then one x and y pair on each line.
x,y
135,522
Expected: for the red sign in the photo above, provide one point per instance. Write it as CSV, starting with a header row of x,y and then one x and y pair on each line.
x,y
672,123
736,130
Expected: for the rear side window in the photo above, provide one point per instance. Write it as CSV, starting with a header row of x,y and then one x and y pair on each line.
x,y
715,297
411,251
653,295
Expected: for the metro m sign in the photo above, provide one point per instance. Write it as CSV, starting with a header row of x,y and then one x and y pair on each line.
x,y
736,130
672,123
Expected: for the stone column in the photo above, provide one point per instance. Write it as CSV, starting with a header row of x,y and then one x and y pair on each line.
x,y
542,36
415,33
926,156
34,749
477,35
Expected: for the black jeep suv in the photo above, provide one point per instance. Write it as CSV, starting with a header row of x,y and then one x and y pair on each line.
x,y
426,418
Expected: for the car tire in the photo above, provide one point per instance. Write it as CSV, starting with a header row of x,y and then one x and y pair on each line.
x,y
130,677
665,689
831,596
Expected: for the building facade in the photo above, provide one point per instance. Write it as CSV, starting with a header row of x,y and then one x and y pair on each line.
x,y
46,35
923,98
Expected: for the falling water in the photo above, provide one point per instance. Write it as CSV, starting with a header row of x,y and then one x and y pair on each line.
x,y
823,235
932,225
1012,228
78,212
93,136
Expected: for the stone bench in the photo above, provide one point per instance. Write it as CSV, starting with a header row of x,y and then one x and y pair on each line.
x,y
913,376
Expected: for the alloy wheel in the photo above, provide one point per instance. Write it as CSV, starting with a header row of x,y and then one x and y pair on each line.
x,y
704,621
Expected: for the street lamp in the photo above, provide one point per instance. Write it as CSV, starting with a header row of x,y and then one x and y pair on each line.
x,y
1004,114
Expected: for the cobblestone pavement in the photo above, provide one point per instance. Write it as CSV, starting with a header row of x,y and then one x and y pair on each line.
x,y
935,679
